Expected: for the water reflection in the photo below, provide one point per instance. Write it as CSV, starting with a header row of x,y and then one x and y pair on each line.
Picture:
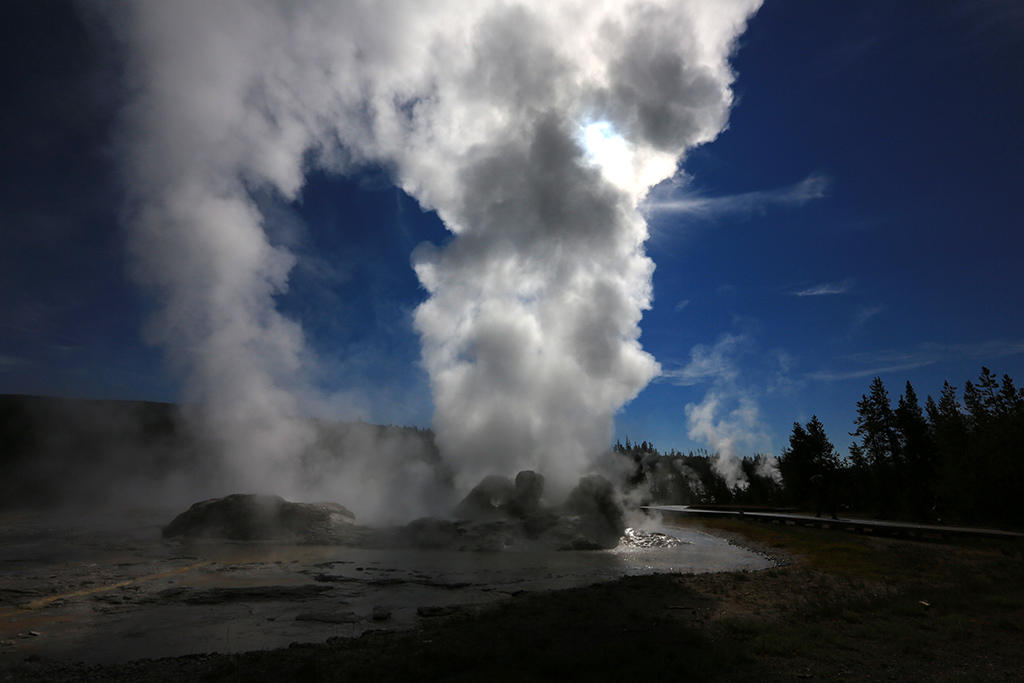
x,y
119,585
692,552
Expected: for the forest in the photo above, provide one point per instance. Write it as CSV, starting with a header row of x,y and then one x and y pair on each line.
x,y
955,460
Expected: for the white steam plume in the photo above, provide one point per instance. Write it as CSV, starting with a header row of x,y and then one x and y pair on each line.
x,y
533,128
727,431
728,418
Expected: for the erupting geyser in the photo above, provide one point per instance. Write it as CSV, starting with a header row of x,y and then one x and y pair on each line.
x,y
533,128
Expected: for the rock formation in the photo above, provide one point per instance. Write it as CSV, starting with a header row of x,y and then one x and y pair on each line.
x,y
498,514
252,517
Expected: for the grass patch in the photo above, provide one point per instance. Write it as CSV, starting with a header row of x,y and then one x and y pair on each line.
x,y
933,608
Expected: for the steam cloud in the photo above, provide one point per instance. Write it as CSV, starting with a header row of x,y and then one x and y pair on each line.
x,y
725,430
728,418
533,129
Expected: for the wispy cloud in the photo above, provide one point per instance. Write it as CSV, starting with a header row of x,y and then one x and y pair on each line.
x,y
989,26
848,54
780,376
728,418
729,422
825,289
863,315
11,361
883,362
681,305
707,363
813,187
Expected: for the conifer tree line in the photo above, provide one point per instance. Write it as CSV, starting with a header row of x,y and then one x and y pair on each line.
x,y
952,460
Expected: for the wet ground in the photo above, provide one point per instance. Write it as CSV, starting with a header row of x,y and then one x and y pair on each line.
x,y
109,589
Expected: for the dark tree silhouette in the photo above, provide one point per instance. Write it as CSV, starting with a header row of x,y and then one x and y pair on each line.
x,y
948,462
874,458
948,429
989,471
917,457
810,454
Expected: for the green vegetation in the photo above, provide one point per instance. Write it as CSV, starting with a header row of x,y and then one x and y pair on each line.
x,y
940,611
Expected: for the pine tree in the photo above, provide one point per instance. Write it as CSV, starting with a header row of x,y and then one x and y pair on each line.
x,y
809,454
876,457
948,428
917,455
992,476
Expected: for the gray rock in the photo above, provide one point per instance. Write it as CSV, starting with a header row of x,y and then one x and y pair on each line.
x,y
498,515
537,523
594,517
488,500
491,536
252,517
595,495
529,488
579,532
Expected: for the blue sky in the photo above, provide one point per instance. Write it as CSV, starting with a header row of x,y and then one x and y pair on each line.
x,y
862,215
907,266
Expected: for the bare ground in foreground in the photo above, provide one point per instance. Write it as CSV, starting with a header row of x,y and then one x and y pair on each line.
x,y
841,607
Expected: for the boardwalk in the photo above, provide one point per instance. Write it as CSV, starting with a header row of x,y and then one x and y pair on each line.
x,y
866,526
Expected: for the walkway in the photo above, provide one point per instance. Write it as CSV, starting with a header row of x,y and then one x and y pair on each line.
x,y
871,526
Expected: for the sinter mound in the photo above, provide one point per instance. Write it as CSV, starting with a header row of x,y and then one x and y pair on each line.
x,y
252,517
498,514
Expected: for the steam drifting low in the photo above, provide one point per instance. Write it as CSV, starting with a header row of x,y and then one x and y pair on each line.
x,y
533,129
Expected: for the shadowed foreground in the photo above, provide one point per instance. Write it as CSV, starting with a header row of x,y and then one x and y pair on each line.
x,y
845,608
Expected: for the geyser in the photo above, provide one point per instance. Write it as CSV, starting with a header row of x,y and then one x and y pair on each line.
x,y
530,331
